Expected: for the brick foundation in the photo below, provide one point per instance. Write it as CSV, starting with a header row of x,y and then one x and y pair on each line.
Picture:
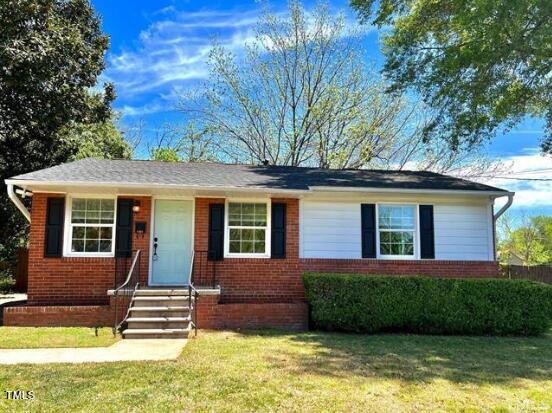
x,y
59,316
214,315
430,268
66,315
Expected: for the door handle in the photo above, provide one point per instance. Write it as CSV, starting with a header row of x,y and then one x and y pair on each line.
x,y
155,256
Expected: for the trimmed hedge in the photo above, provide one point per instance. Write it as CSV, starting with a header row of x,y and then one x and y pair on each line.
x,y
370,304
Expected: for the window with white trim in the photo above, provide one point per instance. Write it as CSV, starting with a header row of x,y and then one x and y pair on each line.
x,y
247,228
397,229
92,226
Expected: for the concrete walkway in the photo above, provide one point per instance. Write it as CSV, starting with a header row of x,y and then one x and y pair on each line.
x,y
124,350
12,298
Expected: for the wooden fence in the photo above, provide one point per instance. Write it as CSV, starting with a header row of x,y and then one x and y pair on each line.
x,y
21,274
542,273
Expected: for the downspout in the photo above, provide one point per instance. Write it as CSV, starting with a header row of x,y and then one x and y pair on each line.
x,y
507,205
17,202
501,211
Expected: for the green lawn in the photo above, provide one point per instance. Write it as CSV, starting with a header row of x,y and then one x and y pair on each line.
x,y
31,337
277,371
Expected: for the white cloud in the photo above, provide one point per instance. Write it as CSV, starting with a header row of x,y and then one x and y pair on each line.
x,y
173,51
529,165
147,109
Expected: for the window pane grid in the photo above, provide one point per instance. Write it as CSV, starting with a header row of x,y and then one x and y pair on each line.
x,y
247,228
92,222
396,226
93,211
247,215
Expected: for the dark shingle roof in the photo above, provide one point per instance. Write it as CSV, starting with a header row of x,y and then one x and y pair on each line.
x,y
242,176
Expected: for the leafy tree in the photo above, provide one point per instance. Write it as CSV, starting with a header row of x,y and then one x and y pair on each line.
x,y
97,140
479,64
303,95
164,154
175,143
51,53
531,240
543,224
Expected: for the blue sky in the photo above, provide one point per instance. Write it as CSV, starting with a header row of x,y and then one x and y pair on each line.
x,y
158,51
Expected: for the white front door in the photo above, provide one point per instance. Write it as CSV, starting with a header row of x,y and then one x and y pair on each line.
x,y
172,242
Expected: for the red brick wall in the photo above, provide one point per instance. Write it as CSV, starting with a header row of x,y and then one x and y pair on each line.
x,y
252,280
59,316
66,315
142,242
71,280
251,315
431,268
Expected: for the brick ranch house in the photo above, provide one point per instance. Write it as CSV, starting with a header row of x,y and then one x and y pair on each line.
x,y
242,235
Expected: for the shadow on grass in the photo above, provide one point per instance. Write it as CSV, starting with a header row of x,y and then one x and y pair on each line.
x,y
414,357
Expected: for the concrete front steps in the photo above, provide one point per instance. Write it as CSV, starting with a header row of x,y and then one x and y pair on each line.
x,y
159,313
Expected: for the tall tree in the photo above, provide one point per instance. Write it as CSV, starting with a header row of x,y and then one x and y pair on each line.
x,y
51,53
480,64
543,224
97,140
175,143
303,95
530,240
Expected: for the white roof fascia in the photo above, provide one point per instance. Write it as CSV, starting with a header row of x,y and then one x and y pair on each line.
x,y
411,191
28,183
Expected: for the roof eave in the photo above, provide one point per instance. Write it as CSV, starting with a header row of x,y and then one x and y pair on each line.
x,y
30,183
491,192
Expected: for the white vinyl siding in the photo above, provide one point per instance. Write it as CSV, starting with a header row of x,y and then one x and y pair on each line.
x,y
330,230
333,230
463,232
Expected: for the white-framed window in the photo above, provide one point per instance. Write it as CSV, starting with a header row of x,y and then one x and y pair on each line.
x,y
397,231
89,226
247,229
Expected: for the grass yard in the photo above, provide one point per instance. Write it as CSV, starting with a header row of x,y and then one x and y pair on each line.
x,y
320,372
31,337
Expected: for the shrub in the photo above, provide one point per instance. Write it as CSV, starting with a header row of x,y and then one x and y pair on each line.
x,y
369,304
6,281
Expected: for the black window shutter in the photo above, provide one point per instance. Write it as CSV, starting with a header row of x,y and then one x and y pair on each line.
x,y
53,243
368,231
427,234
123,237
278,228
216,232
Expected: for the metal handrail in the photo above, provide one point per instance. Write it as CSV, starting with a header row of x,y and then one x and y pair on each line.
x,y
129,276
125,289
193,306
191,289
202,267
192,267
